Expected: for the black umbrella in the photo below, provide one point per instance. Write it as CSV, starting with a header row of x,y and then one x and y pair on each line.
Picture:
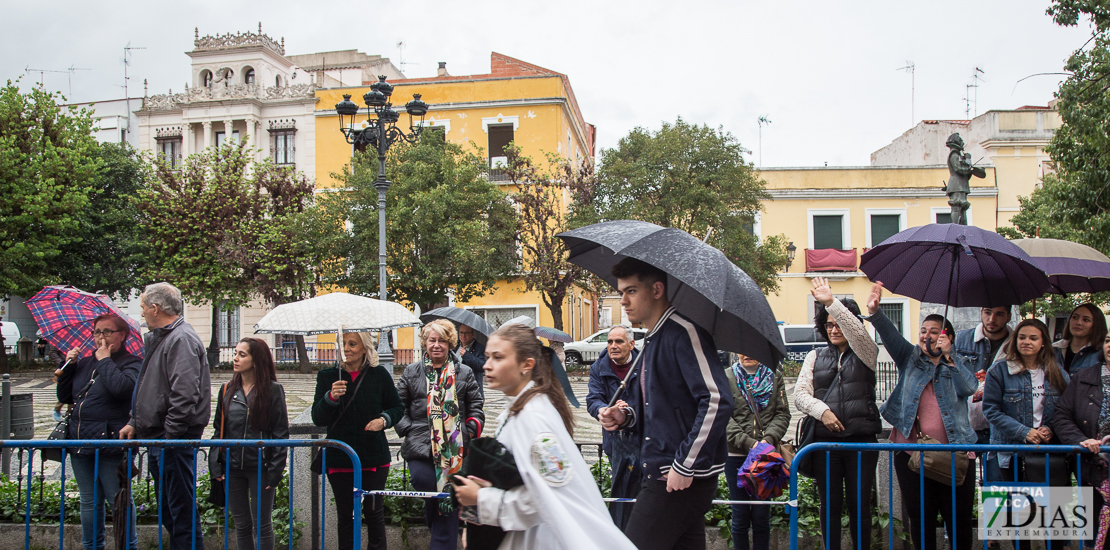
x,y
702,283
482,330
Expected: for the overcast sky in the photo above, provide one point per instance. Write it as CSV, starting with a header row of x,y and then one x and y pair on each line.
x,y
823,72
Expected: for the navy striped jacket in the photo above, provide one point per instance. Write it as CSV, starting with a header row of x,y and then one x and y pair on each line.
x,y
682,403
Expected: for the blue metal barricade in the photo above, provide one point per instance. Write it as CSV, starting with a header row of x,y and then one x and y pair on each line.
x,y
891,449
137,446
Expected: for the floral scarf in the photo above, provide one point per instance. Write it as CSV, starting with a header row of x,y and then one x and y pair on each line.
x,y
443,421
759,385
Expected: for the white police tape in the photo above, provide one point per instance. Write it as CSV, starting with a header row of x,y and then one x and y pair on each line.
x,y
432,494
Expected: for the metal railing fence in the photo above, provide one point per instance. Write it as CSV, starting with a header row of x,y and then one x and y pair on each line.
x,y
891,449
133,448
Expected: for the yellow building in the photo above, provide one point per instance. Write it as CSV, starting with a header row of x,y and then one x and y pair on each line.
x,y
515,102
1013,141
834,215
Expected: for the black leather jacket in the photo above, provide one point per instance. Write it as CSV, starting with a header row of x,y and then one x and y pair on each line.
x,y
413,388
235,426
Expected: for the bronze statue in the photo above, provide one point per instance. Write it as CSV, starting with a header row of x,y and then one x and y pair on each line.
x,y
961,170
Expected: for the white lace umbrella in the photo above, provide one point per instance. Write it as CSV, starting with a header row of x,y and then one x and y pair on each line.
x,y
335,312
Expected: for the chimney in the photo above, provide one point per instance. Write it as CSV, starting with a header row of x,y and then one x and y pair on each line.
x,y
442,71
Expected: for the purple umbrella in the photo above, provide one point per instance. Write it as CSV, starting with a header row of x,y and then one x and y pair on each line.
x,y
955,265
1071,267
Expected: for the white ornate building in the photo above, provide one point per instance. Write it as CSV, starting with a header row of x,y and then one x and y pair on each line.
x,y
242,87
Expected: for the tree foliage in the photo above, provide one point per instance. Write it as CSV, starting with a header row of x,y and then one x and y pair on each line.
x,y
194,214
449,230
109,252
551,199
1073,201
48,166
693,178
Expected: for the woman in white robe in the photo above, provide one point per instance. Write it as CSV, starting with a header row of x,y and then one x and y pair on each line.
x,y
559,506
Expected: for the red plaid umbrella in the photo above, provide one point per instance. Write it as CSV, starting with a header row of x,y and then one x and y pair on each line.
x,y
65,316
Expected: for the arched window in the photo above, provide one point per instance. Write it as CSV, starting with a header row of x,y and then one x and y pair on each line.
x,y
248,76
277,81
228,76
206,78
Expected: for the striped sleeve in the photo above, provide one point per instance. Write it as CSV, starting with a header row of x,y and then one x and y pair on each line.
x,y
696,359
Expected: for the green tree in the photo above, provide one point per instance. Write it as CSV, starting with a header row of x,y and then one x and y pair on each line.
x,y
544,213
449,230
110,248
219,228
1073,202
693,178
48,166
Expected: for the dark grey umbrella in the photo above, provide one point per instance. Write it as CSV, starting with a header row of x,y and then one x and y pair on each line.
x,y
482,330
702,283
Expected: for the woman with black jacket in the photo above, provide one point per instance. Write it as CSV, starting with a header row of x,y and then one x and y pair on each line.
x,y
442,385
251,406
836,387
1081,418
358,401
99,387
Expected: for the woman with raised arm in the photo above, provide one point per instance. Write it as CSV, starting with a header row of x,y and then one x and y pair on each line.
x,y
836,386
930,399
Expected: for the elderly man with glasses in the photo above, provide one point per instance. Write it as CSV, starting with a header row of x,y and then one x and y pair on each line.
x,y
473,354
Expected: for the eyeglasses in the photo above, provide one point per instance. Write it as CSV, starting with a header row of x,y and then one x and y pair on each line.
x,y
830,326
105,332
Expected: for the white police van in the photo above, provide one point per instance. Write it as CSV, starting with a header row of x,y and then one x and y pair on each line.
x,y
800,340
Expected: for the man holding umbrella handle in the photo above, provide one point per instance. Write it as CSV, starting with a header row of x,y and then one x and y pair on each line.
x,y
680,405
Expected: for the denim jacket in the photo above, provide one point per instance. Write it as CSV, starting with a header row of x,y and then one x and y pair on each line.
x,y
1089,356
1008,404
973,346
953,384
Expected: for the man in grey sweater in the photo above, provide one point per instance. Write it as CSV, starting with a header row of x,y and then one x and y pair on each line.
x,y
172,400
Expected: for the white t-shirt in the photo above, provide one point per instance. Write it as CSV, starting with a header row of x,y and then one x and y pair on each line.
x,y
1038,396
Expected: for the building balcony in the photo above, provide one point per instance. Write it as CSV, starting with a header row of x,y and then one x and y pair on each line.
x,y
831,259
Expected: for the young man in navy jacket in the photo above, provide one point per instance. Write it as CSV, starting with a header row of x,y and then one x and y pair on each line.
x,y
680,406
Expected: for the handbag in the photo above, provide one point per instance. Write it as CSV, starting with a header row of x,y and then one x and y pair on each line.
x,y
785,449
490,460
217,495
317,461
938,465
61,430
1059,470
806,433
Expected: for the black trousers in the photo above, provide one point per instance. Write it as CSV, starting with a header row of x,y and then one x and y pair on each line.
x,y
937,498
373,508
851,478
675,520
177,468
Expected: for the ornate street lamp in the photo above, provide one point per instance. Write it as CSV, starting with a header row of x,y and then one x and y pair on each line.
x,y
380,132
790,250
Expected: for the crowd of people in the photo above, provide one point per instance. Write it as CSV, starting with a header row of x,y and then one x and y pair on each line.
x,y
674,420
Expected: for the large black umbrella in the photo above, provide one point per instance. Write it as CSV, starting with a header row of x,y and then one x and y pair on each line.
x,y
955,265
702,283
482,330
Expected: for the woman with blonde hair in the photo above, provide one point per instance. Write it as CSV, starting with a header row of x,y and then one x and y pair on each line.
x,y
559,504
442,413
357,401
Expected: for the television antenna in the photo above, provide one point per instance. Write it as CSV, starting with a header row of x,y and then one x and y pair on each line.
x,y
401,57
42,73
127,62
762,120
975,80
909,68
